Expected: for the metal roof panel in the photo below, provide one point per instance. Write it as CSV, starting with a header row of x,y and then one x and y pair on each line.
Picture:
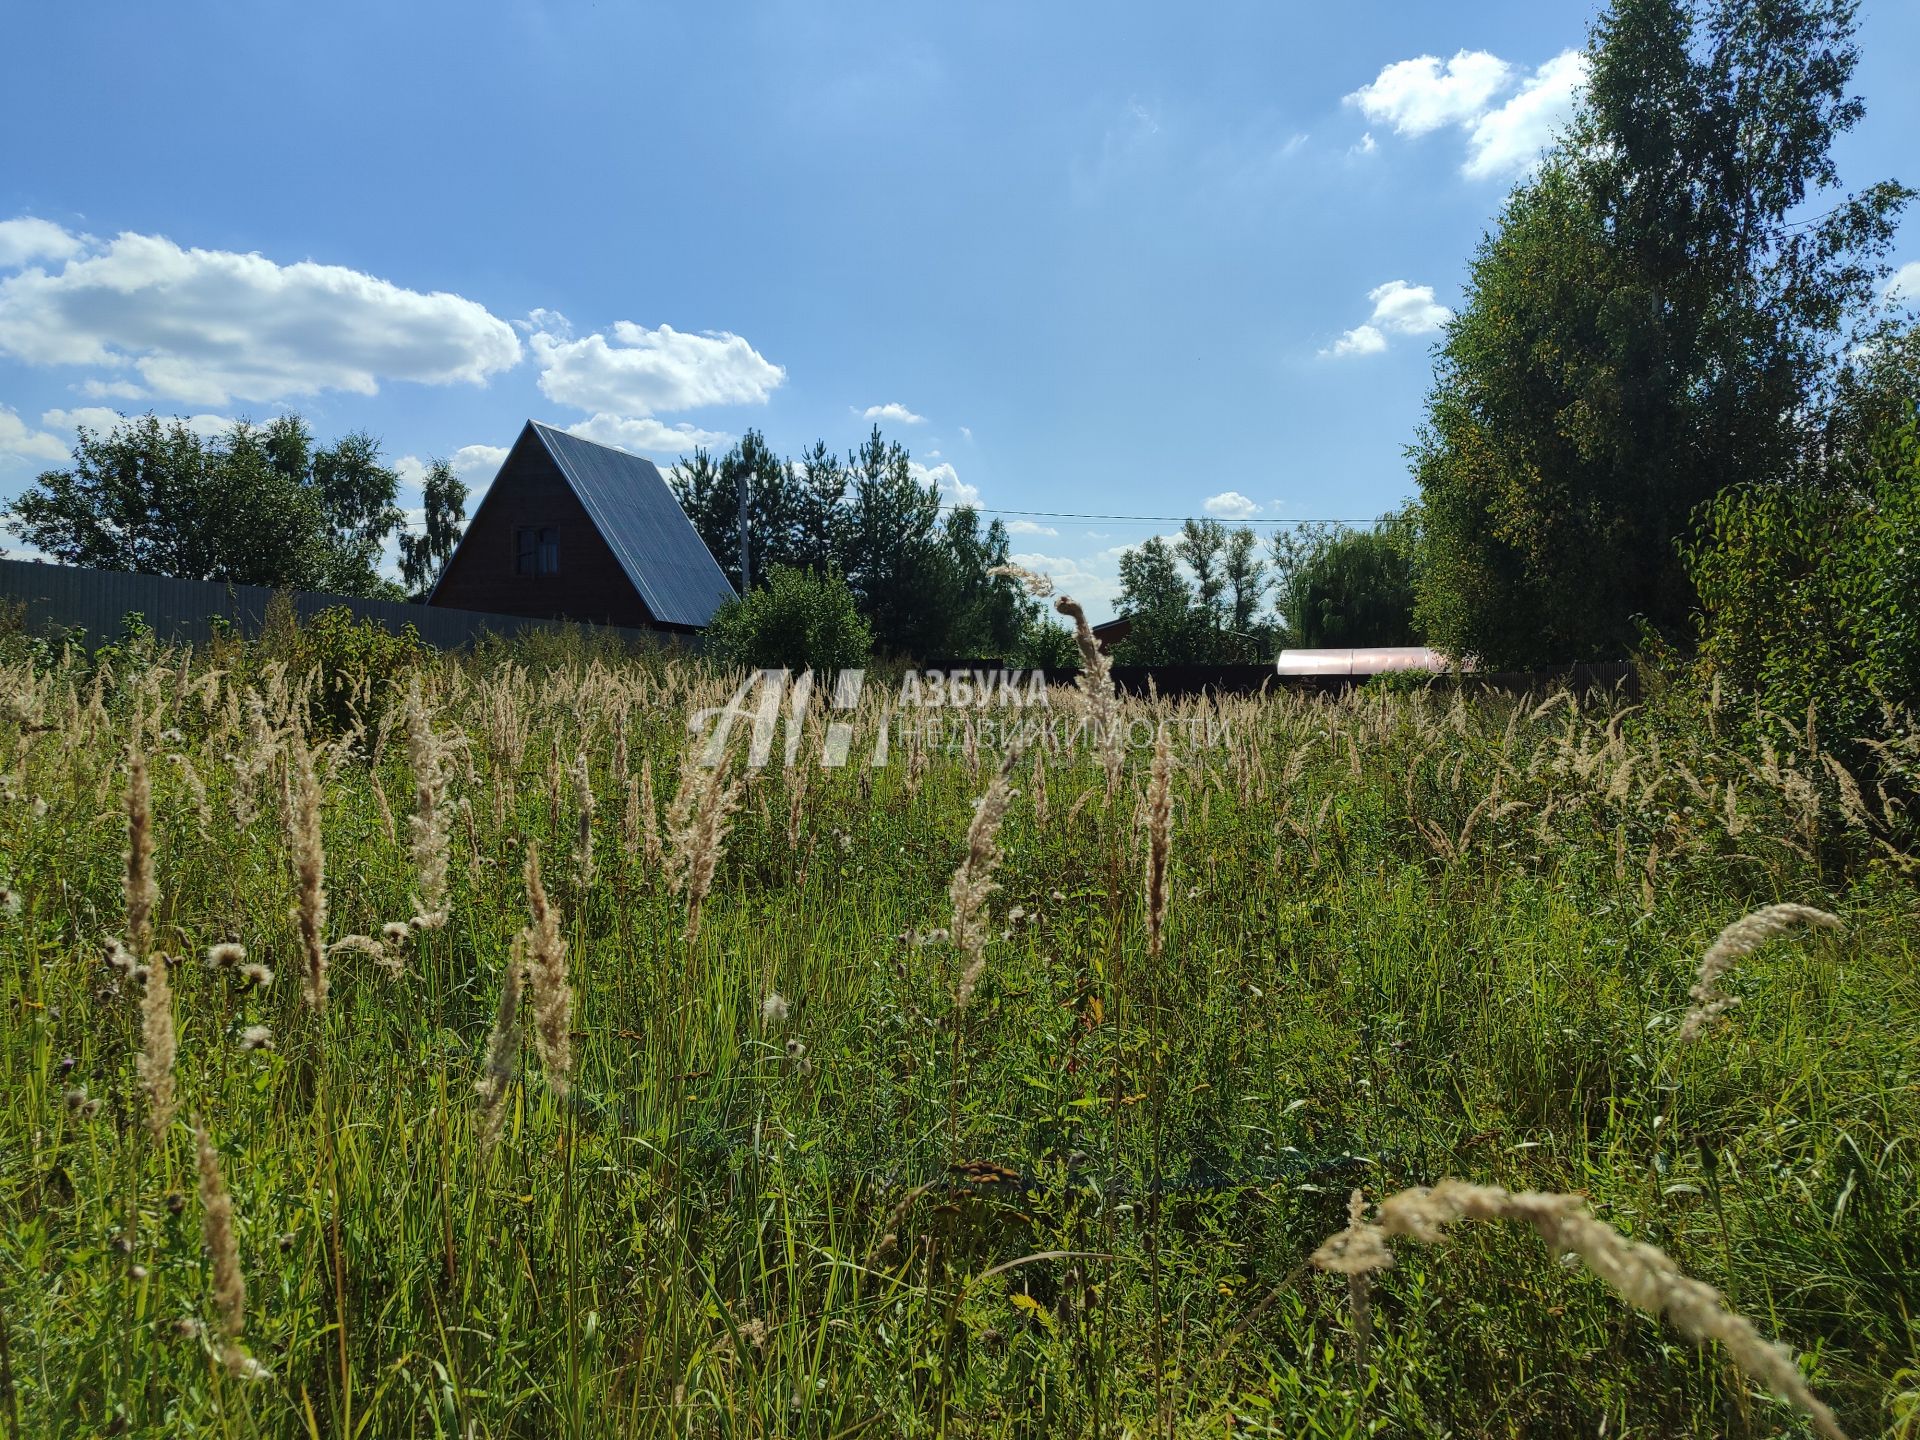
x,y
643,524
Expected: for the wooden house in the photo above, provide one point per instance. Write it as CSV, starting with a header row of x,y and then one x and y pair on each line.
x,y
572,530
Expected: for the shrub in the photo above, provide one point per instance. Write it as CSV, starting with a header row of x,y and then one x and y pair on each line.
x,y
1807,592
797,619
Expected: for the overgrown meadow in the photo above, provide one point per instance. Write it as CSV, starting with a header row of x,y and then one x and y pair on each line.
x,y
444,1053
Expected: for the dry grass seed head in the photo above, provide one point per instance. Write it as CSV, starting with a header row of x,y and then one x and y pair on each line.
x,y
1734,943
546,953
158,1047
141,892
1641,1274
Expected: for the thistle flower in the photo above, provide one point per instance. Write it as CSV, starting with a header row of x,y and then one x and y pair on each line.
x,y
773,1009
547,970
157,1047
226,956
257,975
396,932
256,1037
973,882
1641,1274
1159,834
140,888
1737,941
310,867
223,1249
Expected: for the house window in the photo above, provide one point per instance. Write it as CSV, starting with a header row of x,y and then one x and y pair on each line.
x,y
536,550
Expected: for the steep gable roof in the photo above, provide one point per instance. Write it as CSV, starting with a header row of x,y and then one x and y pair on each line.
x,y
636,513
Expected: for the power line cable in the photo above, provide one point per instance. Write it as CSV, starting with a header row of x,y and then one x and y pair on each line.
x,y
1152,519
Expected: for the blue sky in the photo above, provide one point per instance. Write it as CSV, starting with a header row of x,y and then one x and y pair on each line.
x,y
1116,259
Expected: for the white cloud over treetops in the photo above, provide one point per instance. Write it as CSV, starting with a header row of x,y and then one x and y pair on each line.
x,y
20,441
1904,287
1418,96
1510,140
1399,308
642,434
476,465
1230,505
893,410
101,419
643,372
209,327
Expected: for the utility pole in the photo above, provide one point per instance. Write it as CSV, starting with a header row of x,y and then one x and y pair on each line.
x,y
746,578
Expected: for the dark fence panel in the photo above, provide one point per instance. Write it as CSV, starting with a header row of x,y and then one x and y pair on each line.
x,y
61,598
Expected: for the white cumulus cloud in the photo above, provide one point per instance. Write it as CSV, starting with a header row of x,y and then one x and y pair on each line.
x,y
1092,580
894,411
1361,340
1399,308
100,419
211,326
644,372
1904,287
1407,309
20,441
476,465
1509,140
1230,505
1504,139
1029,527
28,238
1425,93
953,490
643,434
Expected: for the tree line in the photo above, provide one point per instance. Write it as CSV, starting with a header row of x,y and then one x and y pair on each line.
x,y
253,505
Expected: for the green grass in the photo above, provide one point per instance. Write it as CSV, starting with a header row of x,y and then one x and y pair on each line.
x,y
714,1235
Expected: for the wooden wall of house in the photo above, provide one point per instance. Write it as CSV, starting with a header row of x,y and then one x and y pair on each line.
x,y
591,585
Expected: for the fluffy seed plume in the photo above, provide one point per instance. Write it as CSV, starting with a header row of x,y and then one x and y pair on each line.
x,y
1159,837
546,952
223,1250
1641,1274
427,826
310,868
1032,581
973,882
157,1047
582,776
699,834
503,1047
142,893
1096,688
1737,941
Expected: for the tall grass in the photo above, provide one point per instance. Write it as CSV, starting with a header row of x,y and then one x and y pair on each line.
x,y
909,1100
